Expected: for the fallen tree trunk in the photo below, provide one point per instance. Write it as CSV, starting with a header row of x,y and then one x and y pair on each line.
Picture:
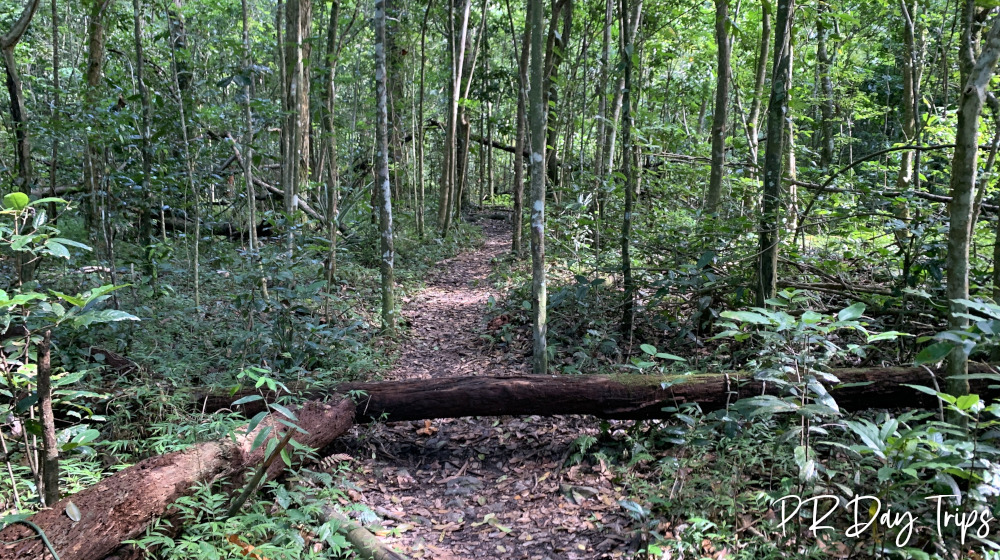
x,y
619,396
120,507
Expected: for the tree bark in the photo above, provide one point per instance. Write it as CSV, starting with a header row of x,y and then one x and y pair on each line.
x,y
908,125
298,19
604,396
50,462
248,91
629,170
777,109
145,224
419,139
536,118
56,108
382,161
449,166
330,132
963,180
600,163
724,48
826,105
18,113
121,506
95,71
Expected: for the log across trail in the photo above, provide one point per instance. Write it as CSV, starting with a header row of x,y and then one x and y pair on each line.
x,y
623,397
123,505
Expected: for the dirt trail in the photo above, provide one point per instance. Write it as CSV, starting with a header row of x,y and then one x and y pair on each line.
x,y
470,487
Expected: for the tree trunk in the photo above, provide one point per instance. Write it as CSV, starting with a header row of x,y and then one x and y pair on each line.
x,y
95,70
298,18
189,165
600,163
145,224
519,135
330,131
556,45
724,48
382,161
604,396
464,125
537,121
826,105
777,109
908,125
760,77
629,171
56,109
18,113
449,167
419,139
248,91
122,506
50,462
977,75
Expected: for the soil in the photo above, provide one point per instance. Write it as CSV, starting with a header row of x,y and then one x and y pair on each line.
x,y
479,487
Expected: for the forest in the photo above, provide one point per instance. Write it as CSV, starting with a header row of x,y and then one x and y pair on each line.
x,y
562,279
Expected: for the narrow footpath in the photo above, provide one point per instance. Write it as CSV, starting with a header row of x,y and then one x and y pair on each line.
x,y
480,487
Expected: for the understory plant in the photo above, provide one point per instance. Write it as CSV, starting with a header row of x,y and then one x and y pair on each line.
x,y
815,481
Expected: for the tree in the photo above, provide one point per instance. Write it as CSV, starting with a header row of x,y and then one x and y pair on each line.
x,y
520,127
18,112
724,47
976,73
449,166
536,122
382,159
777,109
298,20
630,166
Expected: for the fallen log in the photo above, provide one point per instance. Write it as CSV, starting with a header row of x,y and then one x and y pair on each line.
x,y
122,506
618,396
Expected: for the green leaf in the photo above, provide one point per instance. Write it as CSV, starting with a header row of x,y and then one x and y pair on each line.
x,y
16,201
71,243
747,317
648,348
47,200
248,399
888,335
57,249
260,438
284,411
966,402
665,356
934,353
256,420
72,300
922,389
851,313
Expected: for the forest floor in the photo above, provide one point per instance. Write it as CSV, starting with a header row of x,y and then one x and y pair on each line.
x,y
480,487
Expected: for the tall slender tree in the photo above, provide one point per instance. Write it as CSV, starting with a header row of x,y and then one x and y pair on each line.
x,y
537,121
777,109
724,49
145,225
630,161
976,73
382,162
298,20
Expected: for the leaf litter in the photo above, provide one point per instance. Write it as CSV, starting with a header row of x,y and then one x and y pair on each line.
x,y
466,488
